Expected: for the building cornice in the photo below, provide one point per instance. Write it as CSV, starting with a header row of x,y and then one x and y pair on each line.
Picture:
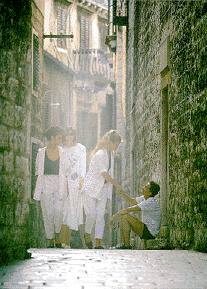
x,y
92,6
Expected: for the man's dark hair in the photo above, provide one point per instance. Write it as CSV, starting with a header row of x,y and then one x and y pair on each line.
x,y
54,131
154,188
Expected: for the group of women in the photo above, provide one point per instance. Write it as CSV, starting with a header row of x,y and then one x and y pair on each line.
x,y
64,189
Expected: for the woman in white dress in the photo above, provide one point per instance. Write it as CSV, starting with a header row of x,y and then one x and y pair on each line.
x,y
97,186
74,155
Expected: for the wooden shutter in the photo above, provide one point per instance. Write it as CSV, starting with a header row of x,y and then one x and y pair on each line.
x,y
47,111
35,148
36,62
84,32
61,25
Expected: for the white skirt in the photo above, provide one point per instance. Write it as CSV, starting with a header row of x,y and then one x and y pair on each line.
x,y
73,210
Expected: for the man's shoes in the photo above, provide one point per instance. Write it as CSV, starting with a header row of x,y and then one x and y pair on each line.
x,y
99,247
58,245
123,247
64,246
88,244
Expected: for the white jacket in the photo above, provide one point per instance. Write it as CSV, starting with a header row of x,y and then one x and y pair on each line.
x,y
93,184
40,160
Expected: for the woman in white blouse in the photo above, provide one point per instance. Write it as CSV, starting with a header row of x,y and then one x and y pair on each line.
x,y
74,155
50,187
97,186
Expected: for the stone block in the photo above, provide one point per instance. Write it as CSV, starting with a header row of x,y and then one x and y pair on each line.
x,y
6,214
19,142
156,244
8,114
18,187
12,85
8,161
22,166
0,106
1,162
21,214
19,116
5,182
9,63
3,137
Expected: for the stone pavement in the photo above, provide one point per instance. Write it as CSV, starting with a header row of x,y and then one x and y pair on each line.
x,y
117,269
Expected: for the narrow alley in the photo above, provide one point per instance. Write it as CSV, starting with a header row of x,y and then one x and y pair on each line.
x,y
83,269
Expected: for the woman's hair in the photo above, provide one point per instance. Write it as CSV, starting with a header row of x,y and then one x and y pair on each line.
x,y
154,188
110,136
69,130
54,131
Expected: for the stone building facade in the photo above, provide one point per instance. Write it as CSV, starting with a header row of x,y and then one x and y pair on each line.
x,y
84,56
20,121
38,90
166,113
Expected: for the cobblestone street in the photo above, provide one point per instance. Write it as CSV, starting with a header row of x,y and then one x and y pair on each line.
x,y
83,269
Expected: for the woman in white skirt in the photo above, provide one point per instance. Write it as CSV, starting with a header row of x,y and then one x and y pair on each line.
x,y
50,187
75,170
97,186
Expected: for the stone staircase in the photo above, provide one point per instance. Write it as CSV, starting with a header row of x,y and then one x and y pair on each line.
x,y
157,244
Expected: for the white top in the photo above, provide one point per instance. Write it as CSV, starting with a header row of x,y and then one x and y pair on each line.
x,y
94,181
74,160
151,213
40,160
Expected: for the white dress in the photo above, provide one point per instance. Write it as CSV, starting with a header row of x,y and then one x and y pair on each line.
x,y
75,168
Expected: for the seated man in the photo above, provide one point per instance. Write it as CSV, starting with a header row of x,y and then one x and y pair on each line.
x,y
151,216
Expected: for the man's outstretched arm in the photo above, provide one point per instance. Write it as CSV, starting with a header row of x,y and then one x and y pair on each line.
x,y
127,198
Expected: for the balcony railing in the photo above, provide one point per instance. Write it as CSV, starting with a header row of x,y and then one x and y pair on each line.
x,y
92,62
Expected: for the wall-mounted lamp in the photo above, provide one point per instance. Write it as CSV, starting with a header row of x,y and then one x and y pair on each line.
x,y
111,42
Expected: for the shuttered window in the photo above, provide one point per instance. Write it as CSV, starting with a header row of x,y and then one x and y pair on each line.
x,y
84,32
61,25
36,62
47,110
35,148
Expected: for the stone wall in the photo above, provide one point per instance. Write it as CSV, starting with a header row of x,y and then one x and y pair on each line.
x,y
166,114
187,125
15,96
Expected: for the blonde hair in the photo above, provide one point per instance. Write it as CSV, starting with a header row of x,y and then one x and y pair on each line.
x,y
110,136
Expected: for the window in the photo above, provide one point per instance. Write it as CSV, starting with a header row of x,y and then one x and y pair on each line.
x,y
61,25
35,148
36,63
46,109
84,32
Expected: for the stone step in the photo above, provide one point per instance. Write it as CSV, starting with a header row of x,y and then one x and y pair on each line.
x,y
155,244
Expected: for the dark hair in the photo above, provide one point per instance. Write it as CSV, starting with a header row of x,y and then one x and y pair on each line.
x,y
54,131
70,130
154,188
